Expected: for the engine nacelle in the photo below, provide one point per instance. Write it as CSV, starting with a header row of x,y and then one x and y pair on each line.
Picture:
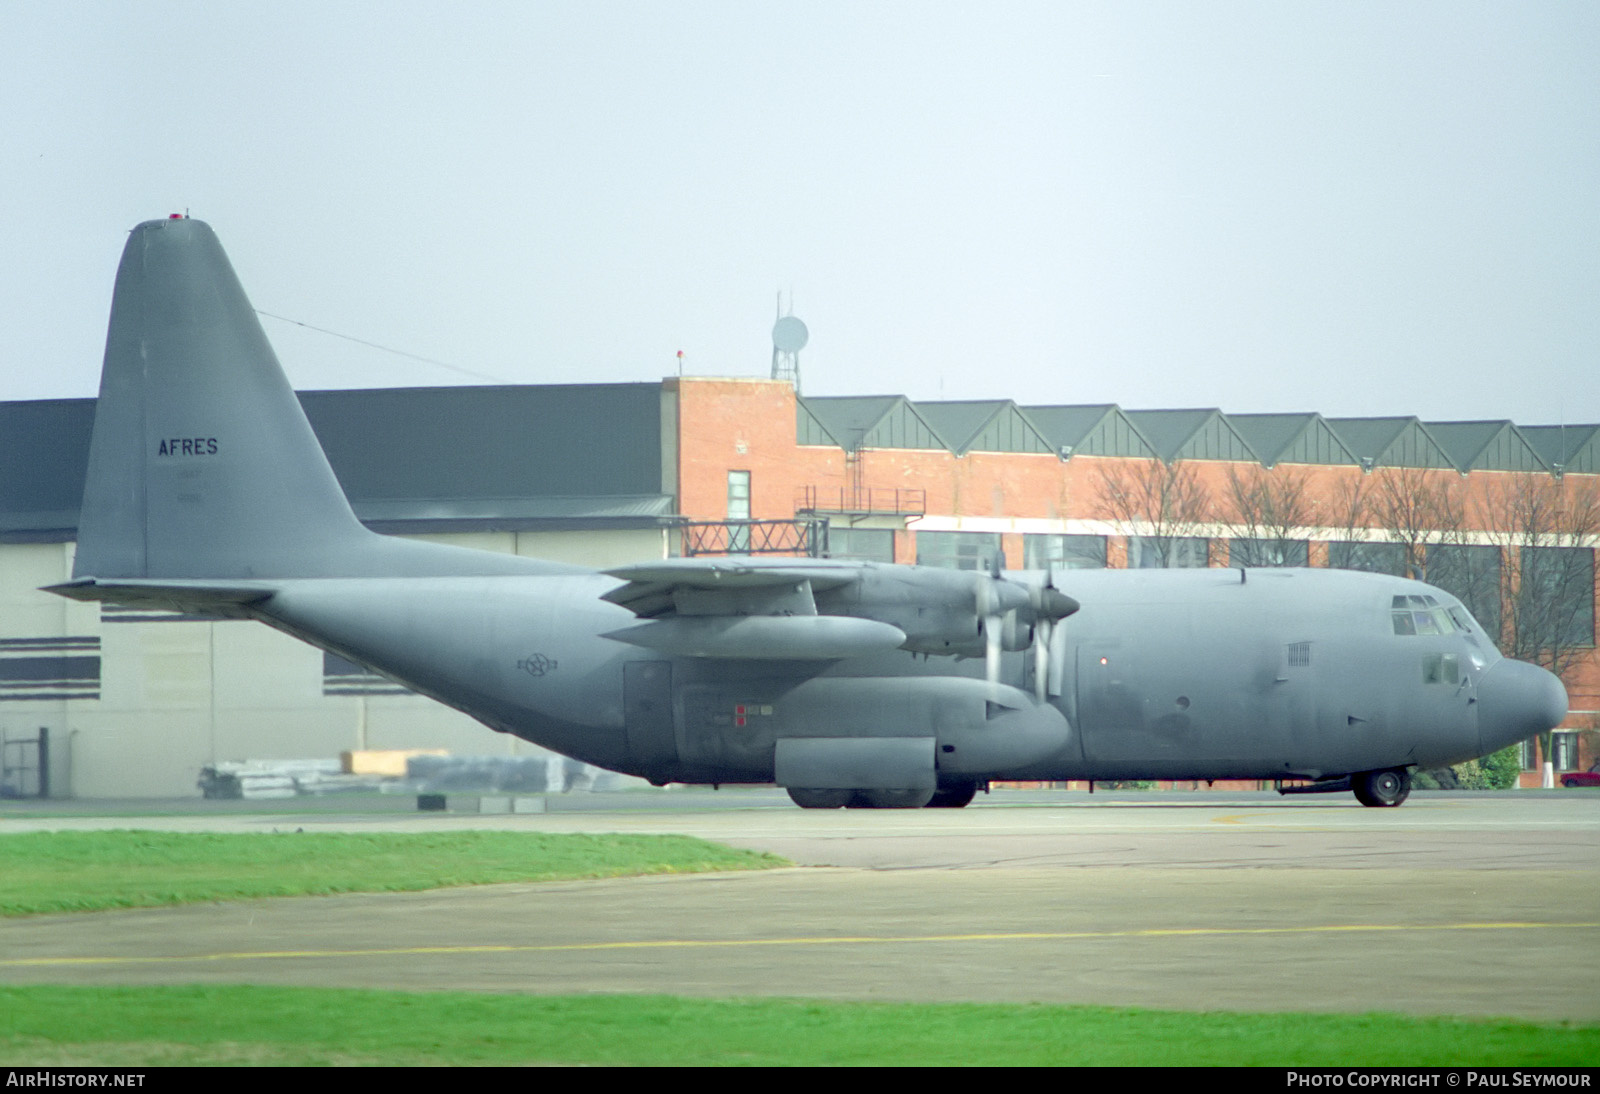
x,y
940,611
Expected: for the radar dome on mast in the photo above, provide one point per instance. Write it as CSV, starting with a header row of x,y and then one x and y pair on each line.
x,y
789,337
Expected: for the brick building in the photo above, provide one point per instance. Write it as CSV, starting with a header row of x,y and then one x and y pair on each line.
x,y
1504,516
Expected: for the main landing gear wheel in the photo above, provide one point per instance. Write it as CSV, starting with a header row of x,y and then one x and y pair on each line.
x,y
953,797
891,799
1382,789
810,798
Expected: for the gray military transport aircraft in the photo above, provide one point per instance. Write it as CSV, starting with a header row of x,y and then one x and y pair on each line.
x,y
847,683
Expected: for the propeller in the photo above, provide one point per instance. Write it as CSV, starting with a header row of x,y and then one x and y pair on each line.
x,y
1005,605
996,601
1050,606
987,602
1002,604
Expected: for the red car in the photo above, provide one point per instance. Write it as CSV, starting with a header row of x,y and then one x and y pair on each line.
x,y
1590,777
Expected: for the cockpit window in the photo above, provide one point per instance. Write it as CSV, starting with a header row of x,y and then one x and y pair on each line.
x,y
1422,614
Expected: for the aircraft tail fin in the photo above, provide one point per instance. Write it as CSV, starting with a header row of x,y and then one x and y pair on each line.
x,y
203,471
202,464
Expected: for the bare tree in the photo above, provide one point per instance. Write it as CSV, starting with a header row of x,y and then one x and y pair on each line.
x,y
1546,530
1162,504
1272,510
1351,506
1352,514
1393,518
1417,507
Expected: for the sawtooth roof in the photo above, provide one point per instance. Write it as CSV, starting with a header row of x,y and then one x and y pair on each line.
x,y
1574,448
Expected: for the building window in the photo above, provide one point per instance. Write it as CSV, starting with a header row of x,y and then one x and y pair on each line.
x,y
1563,752
1064,552
861,544
738,509
738,495
1555,598
1168,552
1472,575
1269,552
1374,558
958,550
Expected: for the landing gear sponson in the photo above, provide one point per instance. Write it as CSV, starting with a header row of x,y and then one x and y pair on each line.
x,y
946,797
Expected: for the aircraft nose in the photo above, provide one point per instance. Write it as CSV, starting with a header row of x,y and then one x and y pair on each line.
x,y
1515,701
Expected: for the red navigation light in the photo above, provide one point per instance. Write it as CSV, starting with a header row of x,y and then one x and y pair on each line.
x,y
174,216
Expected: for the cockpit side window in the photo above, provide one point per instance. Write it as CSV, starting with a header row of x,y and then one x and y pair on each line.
x,y
1441,668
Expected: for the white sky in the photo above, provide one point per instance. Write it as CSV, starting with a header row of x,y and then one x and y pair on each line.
x,y
1359,208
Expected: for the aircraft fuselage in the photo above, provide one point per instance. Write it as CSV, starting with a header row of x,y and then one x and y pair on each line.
x,y
1200,674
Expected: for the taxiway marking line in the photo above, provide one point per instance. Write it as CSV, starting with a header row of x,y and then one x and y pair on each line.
x,y
819,940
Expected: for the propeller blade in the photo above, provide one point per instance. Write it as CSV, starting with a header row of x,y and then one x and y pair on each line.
x,y
991,652
1058,660
1041,658
982,596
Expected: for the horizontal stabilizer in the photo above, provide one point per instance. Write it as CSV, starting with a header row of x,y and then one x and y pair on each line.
x,y
765,638
208,597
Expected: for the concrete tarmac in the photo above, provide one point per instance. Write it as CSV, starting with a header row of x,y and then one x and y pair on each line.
x,y
1466,904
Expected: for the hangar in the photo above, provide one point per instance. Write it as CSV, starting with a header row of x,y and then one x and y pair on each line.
x,y
136,702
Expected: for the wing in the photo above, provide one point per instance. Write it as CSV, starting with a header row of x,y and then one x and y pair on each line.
x,y
746,609
828,609
721,585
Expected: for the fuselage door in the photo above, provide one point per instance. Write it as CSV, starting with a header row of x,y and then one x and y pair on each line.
x,y
1110,704
647,715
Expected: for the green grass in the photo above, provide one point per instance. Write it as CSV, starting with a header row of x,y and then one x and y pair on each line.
x,y
147,1026
92,871
299,1026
